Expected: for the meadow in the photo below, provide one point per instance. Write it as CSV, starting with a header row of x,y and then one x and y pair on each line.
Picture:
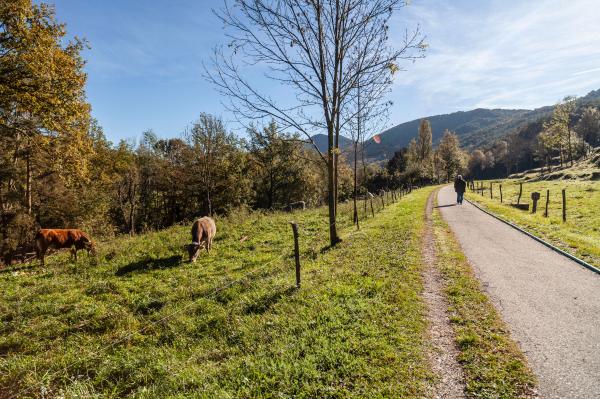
x,y
139,321
579,235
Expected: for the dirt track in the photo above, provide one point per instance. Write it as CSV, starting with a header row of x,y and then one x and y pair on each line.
x,y
551,303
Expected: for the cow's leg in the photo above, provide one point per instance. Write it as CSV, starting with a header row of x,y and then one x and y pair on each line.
x,y
207,245
74,254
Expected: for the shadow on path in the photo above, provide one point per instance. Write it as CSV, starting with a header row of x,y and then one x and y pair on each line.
x,y
444,206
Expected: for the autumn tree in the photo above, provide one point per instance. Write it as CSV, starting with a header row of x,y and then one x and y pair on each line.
x,y
43,113
321,50
588,126
450,154
558,134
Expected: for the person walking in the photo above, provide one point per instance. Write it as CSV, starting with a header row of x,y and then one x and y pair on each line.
x,y
460,187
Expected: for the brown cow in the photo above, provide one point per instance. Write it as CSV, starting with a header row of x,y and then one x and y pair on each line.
x,y
62,238
203,233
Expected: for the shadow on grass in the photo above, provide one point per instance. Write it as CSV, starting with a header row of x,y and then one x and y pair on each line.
x,y
329,247
266,302
14,268
150,264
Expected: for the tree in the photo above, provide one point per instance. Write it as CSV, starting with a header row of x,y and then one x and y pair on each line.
x,y
477,163
322,50
424,141
450,154
281,170
44,117
588,126
218,168
558,131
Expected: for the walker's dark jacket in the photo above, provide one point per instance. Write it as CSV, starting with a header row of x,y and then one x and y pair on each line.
x,y
460,185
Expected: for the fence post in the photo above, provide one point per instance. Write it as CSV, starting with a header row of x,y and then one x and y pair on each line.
x,y
564,204
383,201
296,253
547,201
491,195
371,202
520,193
501,193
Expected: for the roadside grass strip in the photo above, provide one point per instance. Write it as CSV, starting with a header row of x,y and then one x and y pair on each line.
x,y
142,323
493,364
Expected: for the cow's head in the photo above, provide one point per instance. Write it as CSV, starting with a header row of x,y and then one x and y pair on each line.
x,y
91,248
193,251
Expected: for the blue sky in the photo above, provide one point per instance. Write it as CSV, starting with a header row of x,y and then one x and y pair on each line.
x,y
145,62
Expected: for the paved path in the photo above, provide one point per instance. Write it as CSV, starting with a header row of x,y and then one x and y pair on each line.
x,y
551,304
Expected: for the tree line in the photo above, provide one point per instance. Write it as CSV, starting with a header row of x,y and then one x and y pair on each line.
x,y
57,168
566,135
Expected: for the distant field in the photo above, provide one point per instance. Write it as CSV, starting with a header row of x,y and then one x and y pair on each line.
x,y
142,323
580,235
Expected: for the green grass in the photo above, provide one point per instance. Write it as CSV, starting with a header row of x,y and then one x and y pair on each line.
x,y
493,364
141,323
580,235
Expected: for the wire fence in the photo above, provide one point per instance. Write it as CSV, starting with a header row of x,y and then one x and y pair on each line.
x,y
371,205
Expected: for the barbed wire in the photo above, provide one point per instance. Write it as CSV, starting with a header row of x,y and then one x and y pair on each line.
x,y
130,334
127,336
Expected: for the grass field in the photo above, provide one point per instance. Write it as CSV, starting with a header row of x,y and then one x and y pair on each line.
x,y
494,366
580,235
141,323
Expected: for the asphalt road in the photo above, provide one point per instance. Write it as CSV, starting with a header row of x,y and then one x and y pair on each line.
x,y
550,303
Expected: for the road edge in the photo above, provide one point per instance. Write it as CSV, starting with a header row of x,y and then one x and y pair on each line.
x,y
575,259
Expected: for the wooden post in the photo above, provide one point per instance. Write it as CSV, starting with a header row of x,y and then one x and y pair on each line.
x,y
535,197
520,193
547,201
371,202
296,253
382,201
564,204
501,193
491,195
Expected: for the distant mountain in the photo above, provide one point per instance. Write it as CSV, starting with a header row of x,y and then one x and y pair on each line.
x,y
321,142
477,128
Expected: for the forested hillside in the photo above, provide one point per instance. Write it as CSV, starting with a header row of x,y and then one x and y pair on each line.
x,y
478,128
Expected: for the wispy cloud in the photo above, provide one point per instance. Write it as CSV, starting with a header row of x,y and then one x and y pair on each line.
x,y
504,54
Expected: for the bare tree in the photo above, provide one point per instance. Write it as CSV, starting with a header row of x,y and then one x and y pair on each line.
x,y
318,48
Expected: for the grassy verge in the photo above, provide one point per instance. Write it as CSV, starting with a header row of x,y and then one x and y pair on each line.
x,y
142,323
580,235
493,364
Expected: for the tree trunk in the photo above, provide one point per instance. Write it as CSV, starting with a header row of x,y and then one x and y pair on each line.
x,y
28,185
333,237
570,147
356,185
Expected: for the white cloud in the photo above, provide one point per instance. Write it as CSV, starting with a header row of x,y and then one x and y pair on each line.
x,y
504,54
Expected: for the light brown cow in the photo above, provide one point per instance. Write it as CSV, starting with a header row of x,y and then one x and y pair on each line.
x,y
62,238
203,233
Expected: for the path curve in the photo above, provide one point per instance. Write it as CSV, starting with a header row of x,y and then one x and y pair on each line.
x,y
551,304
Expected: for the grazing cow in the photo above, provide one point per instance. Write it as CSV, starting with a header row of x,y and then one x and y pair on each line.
x,y
62,238
203,233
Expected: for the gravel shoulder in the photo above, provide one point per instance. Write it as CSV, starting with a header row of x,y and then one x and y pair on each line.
x,y
550,303
444,353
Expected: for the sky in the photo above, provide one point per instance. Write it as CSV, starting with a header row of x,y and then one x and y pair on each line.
x,y
145,59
